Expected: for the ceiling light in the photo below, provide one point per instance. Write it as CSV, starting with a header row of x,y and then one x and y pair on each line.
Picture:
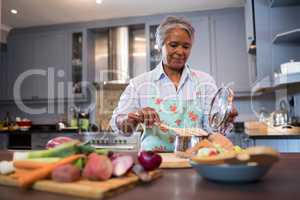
x,y
98,1
14,11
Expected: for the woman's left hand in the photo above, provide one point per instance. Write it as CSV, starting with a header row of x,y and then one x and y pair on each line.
x,y
228,126
232,115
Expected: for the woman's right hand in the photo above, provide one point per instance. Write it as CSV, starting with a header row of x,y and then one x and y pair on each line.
x,y
146,115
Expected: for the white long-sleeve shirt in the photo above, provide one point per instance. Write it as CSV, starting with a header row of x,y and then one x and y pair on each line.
x,y
193,85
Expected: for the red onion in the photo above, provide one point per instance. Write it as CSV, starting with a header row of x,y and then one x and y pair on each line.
x,y
122,164
149,160
57,141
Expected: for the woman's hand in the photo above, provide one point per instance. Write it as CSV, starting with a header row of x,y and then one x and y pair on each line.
x,y
146,115
232,114
228,126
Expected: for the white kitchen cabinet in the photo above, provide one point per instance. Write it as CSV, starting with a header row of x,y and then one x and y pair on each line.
x,y
277,40
201,50
41,60
20,51
50,57
285,29
230,56
263,43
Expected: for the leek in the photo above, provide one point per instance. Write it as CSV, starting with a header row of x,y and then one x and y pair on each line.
x,y
45,160
63,150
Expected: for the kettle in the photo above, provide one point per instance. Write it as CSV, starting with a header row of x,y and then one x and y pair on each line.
x,y
281,117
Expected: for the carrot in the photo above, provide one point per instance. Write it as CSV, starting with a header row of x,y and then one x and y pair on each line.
x,y
27,164
26,180
19,172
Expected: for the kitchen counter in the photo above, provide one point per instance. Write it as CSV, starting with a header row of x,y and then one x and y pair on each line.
x,y
282,182
50,128
265,134
283,142
256,129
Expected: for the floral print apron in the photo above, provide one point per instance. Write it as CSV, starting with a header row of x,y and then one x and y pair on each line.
x,y
174,113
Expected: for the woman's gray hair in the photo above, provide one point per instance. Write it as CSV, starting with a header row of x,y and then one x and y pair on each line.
x,y
169,23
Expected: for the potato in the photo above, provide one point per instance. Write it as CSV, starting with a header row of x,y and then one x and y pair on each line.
x,y
98,167
66,173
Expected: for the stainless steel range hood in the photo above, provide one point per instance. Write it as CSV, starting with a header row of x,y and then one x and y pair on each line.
x,y
118,55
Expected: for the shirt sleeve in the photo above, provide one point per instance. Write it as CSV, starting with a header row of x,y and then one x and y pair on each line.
x,y
129,102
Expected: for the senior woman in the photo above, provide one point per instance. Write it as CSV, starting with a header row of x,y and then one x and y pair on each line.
x,y
172,93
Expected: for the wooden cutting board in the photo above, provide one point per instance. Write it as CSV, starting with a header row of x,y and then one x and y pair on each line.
x,y
170,160
85,188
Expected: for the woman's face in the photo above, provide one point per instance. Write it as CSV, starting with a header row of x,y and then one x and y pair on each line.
x,y
176,49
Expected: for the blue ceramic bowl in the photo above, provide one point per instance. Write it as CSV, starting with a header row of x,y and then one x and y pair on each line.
x,y
231,173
